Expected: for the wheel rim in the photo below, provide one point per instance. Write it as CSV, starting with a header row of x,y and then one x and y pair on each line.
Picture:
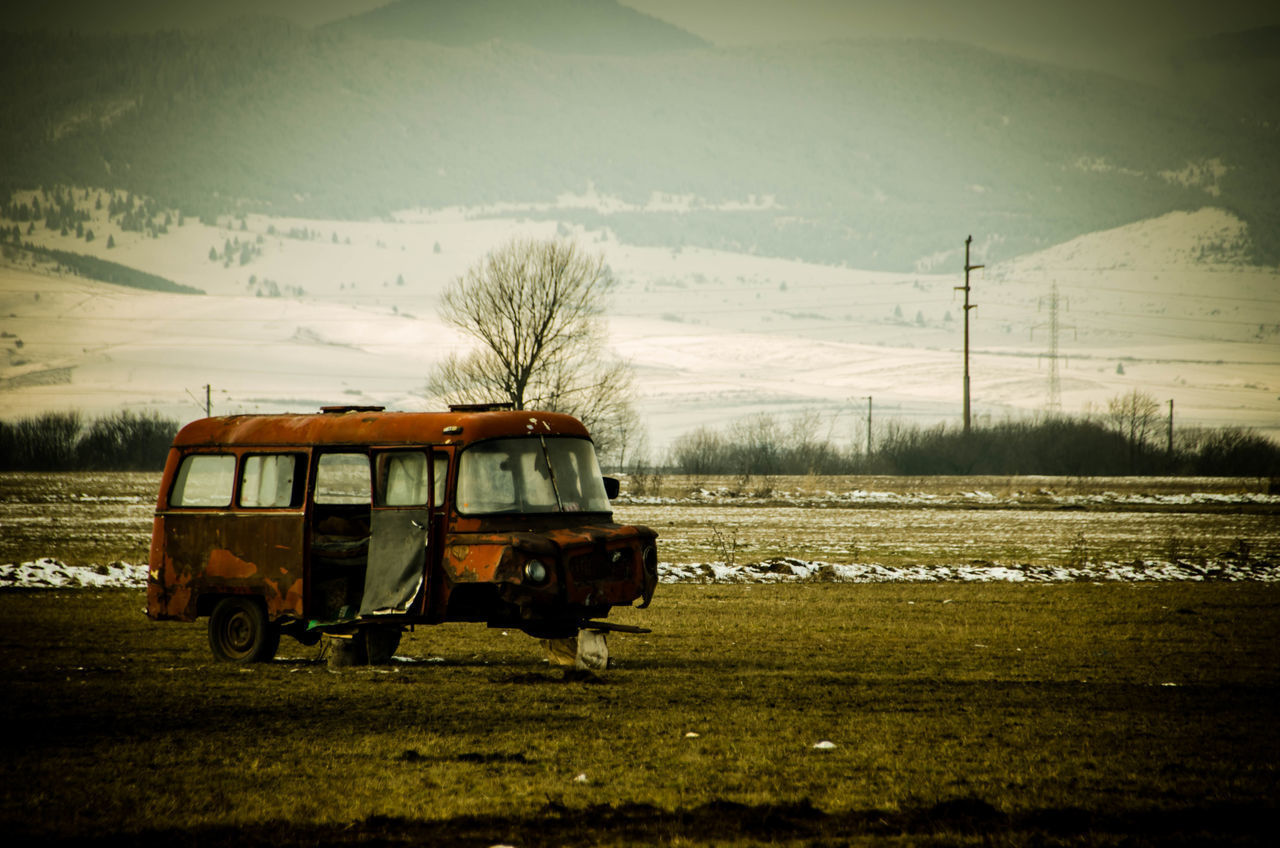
x,y
238,634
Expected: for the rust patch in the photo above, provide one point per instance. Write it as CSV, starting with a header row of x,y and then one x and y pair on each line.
x,y
292,600
179,602
223,563
367,428
477,563
170,596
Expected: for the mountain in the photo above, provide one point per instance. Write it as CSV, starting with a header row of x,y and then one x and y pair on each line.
x,y
872,153
558,26
329,312
1240,70
137,16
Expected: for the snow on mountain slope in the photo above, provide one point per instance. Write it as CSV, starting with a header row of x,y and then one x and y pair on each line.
x,y
1157,306
96,346
1207,236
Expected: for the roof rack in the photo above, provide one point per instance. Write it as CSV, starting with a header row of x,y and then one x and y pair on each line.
x,y
481,407
341,409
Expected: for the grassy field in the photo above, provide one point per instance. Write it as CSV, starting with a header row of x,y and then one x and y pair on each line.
x,y
959,714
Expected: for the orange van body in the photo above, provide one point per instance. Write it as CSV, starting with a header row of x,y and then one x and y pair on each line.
x,y
356,517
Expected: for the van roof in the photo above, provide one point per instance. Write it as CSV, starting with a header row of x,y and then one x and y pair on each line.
x,y
361,426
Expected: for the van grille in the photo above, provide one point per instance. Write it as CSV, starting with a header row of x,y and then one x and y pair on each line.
x,y
603,565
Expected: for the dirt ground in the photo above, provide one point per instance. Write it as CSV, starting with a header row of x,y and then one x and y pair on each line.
x,y
802,714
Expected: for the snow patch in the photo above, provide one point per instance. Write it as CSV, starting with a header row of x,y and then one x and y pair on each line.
x,y
789,570
1039,498
49,573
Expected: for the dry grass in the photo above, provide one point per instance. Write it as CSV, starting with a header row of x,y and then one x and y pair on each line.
x,y
953,536
765,486
1005,713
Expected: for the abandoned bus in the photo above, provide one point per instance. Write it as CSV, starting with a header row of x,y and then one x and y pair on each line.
x,y
357,523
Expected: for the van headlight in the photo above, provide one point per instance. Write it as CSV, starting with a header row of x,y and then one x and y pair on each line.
x,y
535,571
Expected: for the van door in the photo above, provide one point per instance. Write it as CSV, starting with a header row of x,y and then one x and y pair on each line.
x,y
398,536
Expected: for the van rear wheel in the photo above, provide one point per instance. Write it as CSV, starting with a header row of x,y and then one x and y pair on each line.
x,y
240,632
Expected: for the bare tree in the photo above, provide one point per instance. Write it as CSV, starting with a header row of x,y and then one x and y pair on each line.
x,y
535,311
699,452
1133,416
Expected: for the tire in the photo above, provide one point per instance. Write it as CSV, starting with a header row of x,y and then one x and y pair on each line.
x,y
240,632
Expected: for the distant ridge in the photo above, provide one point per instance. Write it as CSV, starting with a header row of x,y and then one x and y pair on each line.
x,y
878,153
1240,70
601,27
1233,47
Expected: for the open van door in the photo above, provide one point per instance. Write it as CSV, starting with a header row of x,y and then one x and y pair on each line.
x,y
398,532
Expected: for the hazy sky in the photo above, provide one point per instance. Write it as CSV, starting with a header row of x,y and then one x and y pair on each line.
x,y
1121,36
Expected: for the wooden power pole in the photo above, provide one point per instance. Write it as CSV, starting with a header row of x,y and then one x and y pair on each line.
x,y
967,307
868,426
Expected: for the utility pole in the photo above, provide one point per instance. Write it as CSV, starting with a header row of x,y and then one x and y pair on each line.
x,y
1169,448
1055,386
868,426
967,307
208,400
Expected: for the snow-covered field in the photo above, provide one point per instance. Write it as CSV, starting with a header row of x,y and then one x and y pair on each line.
x,y
92,530
51,574
794,570
1035,498
1162,306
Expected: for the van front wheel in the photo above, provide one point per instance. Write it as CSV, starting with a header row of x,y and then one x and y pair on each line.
x,y
240,632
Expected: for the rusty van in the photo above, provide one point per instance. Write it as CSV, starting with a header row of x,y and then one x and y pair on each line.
x,y
360,523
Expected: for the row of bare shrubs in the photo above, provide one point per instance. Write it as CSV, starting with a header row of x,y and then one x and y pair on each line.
x,y
1061,446
62,441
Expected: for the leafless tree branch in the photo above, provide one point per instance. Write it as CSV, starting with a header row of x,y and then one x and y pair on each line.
x,y
534,310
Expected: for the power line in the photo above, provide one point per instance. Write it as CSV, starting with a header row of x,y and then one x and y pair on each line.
x,y
1195,318
1196,295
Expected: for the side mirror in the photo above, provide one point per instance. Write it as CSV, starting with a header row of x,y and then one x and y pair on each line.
x,y
611,487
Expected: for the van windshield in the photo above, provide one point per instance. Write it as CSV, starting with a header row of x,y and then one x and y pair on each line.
x,y
532,474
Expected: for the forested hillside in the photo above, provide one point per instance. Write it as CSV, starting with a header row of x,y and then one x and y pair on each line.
x,y
878,154
1239,70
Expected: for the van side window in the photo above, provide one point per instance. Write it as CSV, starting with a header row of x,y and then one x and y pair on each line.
x,y
402,479
267,480
342,478
204,480
440,475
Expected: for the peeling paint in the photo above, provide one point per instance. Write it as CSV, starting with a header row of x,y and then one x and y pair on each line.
x,y
226,564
